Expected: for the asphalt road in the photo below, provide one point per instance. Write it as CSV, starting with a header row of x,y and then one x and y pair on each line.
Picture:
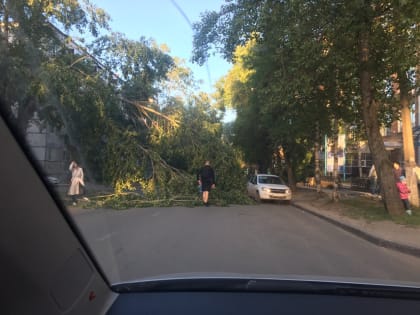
x,y
269,239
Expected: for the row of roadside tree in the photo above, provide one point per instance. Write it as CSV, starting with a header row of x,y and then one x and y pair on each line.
x,y
303,69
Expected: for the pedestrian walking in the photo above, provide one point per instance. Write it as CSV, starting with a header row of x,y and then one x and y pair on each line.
x,y
206,180
77,179
373,180
404,194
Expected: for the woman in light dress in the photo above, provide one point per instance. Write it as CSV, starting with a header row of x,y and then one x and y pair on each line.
x,y
76,181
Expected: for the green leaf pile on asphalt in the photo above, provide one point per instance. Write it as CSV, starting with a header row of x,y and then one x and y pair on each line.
x,y
135,200
170,189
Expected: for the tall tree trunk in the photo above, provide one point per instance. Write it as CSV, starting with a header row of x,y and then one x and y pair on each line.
x,y
359,163
26,111
335,195
5,27
70,130
408,143
290,176
370,110
5,60
316,155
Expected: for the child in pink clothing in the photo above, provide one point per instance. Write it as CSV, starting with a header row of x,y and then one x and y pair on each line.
x,y
404,194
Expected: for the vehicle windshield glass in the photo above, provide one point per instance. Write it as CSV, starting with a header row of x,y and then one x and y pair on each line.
x,y
270,180
155,121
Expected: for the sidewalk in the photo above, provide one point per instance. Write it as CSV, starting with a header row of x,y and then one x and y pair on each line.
x,y
388,234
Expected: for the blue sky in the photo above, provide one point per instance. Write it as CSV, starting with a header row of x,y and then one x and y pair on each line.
x,y
162,21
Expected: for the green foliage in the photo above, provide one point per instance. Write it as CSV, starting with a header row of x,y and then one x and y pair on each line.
x,y
304,63
140,64
134,200
105,98
198,138
180,191
29,43
232,26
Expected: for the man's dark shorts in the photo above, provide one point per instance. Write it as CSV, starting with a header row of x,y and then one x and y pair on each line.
x,y
206,186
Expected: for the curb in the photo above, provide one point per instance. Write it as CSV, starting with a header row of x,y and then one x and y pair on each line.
x,y
406,249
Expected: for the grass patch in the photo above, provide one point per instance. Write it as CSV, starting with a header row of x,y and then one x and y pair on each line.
x,y
372,210
369,210
413,220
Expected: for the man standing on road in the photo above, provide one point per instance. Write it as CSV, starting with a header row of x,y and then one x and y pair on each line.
x,y
207,181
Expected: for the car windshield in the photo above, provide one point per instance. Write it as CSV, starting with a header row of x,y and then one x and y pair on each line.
x,y
153,121
270,180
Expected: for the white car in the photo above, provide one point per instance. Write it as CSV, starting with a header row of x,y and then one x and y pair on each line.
x,y
268,187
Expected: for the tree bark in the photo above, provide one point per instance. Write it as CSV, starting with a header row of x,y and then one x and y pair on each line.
x,y
26,111
335,195
317,167
291,176
370,110
5,23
